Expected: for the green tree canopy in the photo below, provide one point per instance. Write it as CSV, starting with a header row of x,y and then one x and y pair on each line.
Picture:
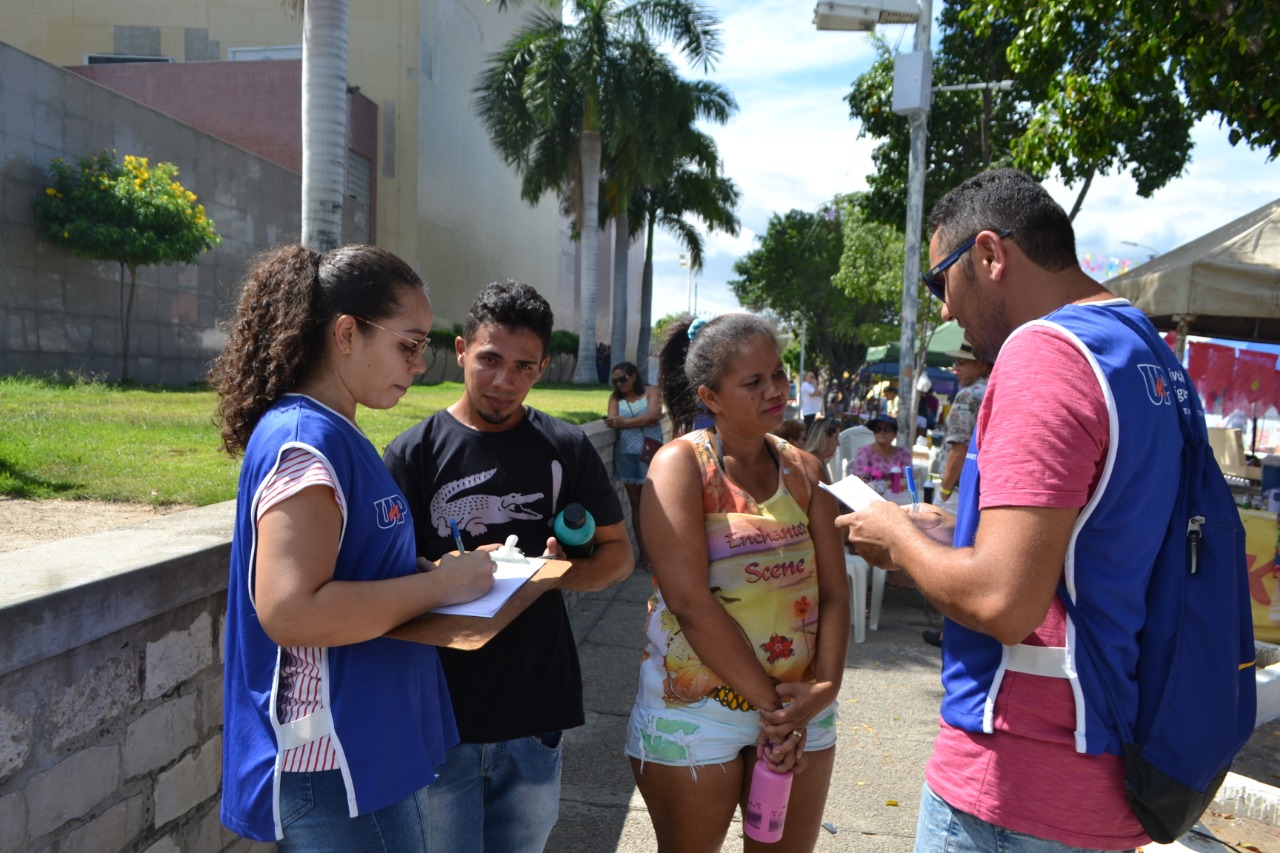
x,y
1114,60
831,271
1138,124
131,213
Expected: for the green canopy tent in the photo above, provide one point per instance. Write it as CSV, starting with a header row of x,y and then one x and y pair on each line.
x,y
946,337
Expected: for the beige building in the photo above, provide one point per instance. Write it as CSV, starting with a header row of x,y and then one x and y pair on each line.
x,y
444,199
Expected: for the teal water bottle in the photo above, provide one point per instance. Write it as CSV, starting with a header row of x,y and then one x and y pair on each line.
x,y
575,528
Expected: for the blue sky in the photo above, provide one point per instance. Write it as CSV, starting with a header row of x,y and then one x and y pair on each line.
x,y
793,145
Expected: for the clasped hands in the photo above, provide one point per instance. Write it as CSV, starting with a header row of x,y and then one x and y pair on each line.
x,y
784,732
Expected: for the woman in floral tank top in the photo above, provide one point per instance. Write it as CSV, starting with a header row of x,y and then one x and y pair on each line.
x,y
749,621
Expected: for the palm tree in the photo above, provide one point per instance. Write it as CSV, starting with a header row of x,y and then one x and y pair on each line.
x,y
546,95
324,118
689,183
695,189
643,101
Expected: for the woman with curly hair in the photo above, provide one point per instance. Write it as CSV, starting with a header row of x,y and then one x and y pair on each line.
x,y
748,625
329,727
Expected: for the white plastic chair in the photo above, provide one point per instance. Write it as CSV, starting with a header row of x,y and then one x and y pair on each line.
x,y
858,569
850,440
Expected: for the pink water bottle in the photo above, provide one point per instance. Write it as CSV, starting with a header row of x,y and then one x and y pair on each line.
x,y
895,479
766,810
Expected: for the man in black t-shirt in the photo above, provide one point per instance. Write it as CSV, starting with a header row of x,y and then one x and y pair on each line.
x,y
499,468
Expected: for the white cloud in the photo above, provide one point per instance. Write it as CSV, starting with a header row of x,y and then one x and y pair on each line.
x,y
766,41
1222,183
793,145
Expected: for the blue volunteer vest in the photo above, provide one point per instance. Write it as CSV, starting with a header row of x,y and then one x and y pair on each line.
x,y
389,712
1116,538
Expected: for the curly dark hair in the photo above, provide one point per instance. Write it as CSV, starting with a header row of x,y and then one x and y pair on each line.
x,y
278,335
514,306
683,365
628,369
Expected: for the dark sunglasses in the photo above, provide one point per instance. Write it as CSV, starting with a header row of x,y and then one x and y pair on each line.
x,y
934,279
884,428
618,380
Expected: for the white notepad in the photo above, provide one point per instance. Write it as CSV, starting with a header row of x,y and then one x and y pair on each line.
x,y
853,492
507,578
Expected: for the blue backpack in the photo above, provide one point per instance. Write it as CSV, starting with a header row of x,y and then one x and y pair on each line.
x,y
1197,691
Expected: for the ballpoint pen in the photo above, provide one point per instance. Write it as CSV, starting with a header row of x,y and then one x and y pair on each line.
x,y
457,536
911,488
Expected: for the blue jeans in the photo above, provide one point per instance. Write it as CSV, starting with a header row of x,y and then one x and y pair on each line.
x,y
943,829
499,797
314,814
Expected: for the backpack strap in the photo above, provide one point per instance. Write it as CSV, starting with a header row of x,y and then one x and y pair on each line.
x,y
1190,438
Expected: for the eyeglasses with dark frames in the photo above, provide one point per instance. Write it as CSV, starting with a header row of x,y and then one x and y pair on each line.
x,y
934,279
419,345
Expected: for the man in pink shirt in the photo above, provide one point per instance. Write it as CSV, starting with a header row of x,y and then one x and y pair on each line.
x,y
1015,766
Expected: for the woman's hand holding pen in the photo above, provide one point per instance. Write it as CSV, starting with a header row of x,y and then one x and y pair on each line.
x,y
464,577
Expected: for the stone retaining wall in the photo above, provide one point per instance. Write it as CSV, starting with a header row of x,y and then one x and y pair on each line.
x,y
111,686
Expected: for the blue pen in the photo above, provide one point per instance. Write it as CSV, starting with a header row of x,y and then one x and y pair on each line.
x,y
911,487
457,536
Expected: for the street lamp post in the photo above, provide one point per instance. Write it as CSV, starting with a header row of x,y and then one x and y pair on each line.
x,y
687,263
863,15
919,123
1154,251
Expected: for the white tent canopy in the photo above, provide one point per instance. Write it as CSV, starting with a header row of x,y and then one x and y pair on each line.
x,y
1225,284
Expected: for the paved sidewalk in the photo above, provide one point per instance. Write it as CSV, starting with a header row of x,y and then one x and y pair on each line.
x,y
888,717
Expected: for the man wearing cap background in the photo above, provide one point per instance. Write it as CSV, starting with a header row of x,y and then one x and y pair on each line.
x,y
972,374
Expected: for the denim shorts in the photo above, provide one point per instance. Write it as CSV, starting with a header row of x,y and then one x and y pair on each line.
x,y
315,817
941,828
628,468
708,733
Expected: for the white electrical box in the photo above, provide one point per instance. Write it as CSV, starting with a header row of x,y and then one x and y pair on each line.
x,y
912,82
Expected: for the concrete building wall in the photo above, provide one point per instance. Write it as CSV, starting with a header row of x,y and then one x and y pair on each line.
x,y
445,200
255,105
111,686
59,312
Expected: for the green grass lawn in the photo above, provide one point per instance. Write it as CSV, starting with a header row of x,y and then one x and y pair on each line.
x,y
160,446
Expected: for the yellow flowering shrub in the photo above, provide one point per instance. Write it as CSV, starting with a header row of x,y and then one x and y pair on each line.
x,y
129,212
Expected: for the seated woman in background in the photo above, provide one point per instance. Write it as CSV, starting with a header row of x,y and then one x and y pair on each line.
x,y
876,460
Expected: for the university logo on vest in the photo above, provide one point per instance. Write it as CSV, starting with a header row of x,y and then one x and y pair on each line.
x,y
391,511
1155,380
